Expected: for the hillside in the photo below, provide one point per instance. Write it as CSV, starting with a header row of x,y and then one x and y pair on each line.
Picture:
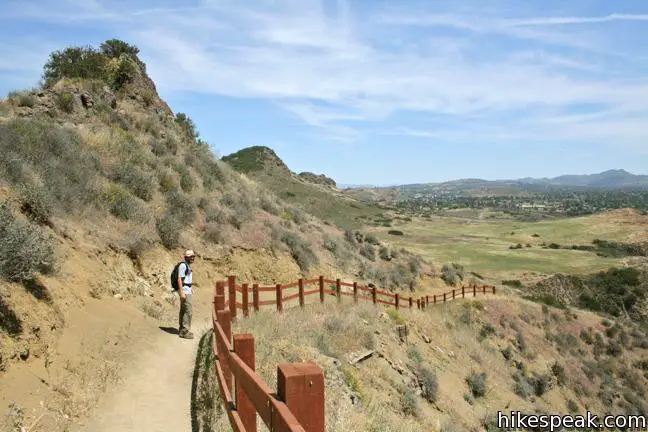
x,y
460,363
101,188
315,194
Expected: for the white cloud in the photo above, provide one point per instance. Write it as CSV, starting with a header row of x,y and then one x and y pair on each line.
x,y
343,70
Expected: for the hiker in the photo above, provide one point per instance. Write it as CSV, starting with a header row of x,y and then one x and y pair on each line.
x,y
184,279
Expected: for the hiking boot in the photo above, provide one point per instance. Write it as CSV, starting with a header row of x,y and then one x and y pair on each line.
x,y
186,335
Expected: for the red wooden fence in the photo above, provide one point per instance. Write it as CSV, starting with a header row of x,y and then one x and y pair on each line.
x,y
298,403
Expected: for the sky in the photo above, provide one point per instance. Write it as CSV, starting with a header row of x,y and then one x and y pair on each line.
x,y
376,91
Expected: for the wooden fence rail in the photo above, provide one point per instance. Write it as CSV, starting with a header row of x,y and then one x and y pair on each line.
x,y
298,403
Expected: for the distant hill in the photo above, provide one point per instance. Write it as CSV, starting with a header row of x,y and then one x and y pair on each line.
x,y
316,194
611,179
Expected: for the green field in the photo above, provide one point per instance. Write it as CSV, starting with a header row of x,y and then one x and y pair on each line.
x,y
482,245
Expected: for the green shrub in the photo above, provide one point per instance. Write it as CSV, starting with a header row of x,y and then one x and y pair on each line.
x,y
368,252
449,274
409,404
181,206
23,99
75,62
25,250
135,180
65,102
507,353
477,384
214,233
186,181
300,250
521,342
572,406
120,202
114,48
166,181
414,355
429,383
486,331
522,387
36,203
241,207
372,239
148,97
395,232
559,372
269,205
385,254
169,229
187,125
512,283
331,245
396,316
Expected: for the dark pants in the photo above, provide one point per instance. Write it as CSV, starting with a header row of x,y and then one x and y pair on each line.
x,y
186,310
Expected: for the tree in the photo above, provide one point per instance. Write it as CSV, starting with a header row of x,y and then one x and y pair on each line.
x,y
114,48
187,124
75,62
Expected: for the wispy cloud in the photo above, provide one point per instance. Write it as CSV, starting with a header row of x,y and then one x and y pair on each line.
x,y
348,68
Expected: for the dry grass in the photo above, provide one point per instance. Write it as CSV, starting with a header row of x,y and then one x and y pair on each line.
x,y
386,391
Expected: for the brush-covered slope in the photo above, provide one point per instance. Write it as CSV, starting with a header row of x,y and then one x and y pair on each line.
x,y
461,363
317,195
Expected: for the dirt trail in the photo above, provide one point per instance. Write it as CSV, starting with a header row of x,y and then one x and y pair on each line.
x,y
155,394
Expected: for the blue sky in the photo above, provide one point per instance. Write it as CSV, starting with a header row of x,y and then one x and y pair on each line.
x,y
377,91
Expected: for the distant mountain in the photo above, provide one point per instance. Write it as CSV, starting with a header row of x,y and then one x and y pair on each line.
x,y
611,179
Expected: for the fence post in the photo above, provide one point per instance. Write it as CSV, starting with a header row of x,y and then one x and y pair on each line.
x,y
231,282
493,289
321,288
279,299
301,387
410,301
374,297
453,294
484,289
444,297
338,289
300,283
434,298
396,300
225,321
474,290
418,303
246,300
355,292
427,300
255,297
220,288
244,348
423,303
463,291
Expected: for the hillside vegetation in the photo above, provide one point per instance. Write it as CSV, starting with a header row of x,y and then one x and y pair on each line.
x,y
315,194
460,363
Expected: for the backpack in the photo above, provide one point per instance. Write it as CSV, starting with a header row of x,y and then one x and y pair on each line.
x,y
174,275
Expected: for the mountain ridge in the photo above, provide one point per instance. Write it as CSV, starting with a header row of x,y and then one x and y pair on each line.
x,y
609,179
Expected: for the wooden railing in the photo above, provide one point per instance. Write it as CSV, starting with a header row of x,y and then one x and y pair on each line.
x,y
298,403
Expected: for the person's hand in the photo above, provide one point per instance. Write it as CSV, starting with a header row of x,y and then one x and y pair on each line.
x,y
183,296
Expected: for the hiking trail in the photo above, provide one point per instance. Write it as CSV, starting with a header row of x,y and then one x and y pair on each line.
x,y
155,393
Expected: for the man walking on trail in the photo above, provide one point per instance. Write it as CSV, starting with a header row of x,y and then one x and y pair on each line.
x,y
184,283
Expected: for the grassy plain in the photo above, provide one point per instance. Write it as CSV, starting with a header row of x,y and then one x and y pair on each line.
x,y
482,244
